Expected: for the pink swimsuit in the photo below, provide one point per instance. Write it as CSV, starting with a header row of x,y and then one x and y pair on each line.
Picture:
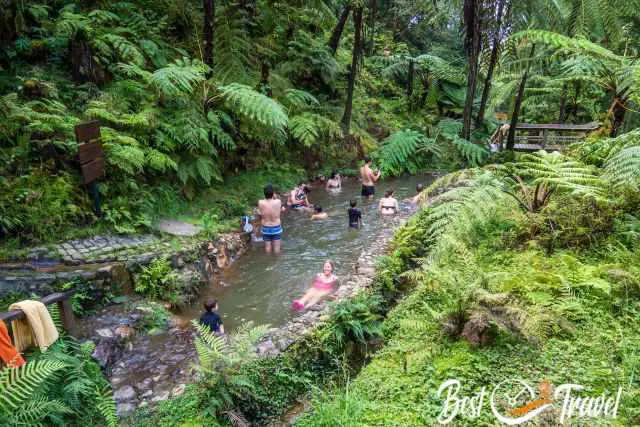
x,y
320,284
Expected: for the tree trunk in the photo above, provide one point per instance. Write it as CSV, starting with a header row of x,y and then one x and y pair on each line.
x,y
425,91
577,86
208,32
563,104
355,59
410,78
472,46
336,34
492,62
264,87
372,26
83,67
617,112
511,138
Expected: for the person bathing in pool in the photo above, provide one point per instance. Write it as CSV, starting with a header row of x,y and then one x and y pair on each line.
x,y
298,197
335,182
323,285
388,205
318,213
270,208
368,178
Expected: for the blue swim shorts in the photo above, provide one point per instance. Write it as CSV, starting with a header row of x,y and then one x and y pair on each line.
x,y
271,233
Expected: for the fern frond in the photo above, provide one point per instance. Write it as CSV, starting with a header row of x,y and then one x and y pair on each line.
x,y
17,385
106,405
256,106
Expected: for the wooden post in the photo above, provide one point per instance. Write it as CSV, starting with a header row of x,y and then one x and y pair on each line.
x,y
545,136
67,316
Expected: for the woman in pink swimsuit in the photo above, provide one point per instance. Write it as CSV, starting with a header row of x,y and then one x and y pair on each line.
x,y
323,284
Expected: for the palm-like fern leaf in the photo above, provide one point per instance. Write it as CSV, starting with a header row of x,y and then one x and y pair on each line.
x,y
18,385
256,106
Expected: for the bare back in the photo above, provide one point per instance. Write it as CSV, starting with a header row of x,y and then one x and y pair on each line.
x,y
367,176
270,211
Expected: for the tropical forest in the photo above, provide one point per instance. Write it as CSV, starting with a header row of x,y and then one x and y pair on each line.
x,y
319,213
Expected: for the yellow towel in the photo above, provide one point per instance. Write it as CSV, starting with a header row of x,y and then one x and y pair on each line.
x,y
38,324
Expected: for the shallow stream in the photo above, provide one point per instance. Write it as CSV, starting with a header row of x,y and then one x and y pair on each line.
x,y
260,286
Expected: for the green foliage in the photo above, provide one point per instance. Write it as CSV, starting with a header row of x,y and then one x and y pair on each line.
x,y
356,320
59,386
256,106
158,280
219,359
404,150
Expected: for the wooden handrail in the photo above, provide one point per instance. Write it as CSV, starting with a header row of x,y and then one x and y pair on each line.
x,y
64,303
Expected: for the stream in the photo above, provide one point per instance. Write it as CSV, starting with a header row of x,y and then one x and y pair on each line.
x,y
258,287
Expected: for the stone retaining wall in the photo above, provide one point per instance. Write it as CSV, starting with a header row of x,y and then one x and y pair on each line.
x,y
108,261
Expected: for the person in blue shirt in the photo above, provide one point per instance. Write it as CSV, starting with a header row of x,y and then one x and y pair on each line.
x,y
212,319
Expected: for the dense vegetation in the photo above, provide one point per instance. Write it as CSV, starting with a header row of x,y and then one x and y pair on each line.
x,y
519,263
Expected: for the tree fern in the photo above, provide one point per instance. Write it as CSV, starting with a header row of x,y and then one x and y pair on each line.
x,y
474,154
400,152
623,168
300,99
232,60
304,129
555,170
254,105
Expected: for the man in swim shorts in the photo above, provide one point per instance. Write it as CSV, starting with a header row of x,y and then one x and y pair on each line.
x,y
270,208
368,178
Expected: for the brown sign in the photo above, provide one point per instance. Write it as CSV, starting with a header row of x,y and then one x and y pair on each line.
x,y
90,153
88,131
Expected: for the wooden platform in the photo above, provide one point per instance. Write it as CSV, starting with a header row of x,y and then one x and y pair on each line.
x,y
541,136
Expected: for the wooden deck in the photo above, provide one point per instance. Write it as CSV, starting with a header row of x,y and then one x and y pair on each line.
x,y
537,136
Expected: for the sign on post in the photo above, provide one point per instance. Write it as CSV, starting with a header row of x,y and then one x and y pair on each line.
x,y
91,157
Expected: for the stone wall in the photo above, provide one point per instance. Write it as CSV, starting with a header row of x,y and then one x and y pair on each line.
x,y
109,264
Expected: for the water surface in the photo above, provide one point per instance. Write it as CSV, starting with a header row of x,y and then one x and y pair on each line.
x,y
260,286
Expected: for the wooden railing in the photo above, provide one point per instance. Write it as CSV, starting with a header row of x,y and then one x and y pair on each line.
x,y
534,136
64,304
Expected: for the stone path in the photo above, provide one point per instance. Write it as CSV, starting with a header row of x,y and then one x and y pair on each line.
x,y
84,260
143,368
178,228
106,248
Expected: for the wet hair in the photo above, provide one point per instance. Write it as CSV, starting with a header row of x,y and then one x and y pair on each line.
x,y
317,208
268,191
333,174
353,203
388,193
300,183
210,305
306,189
419,188
330,263
367,159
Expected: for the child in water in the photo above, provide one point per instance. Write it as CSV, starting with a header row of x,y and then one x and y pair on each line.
x,y
355,215
212,319
323,284
318,214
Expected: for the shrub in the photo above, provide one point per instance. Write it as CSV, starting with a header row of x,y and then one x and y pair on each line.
x,y
158,281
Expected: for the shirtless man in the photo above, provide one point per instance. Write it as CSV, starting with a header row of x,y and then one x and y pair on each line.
x,y
368,178
270,209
